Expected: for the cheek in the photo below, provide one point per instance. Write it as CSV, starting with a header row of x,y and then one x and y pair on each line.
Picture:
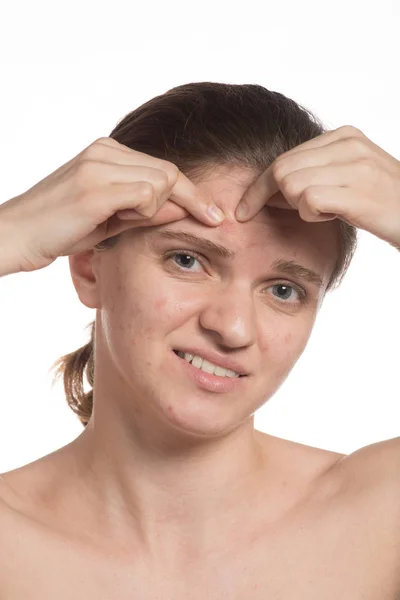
x,y
293,344
154,317
160,304
283,349
277,341
287,338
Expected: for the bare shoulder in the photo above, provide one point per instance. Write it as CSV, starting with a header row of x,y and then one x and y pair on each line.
x,y
375,465
372,474
369,475
11,502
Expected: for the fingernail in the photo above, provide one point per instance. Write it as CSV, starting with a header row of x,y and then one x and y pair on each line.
x,y
215,213
242,211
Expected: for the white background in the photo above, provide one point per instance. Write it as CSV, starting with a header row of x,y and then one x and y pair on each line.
x,y
70,72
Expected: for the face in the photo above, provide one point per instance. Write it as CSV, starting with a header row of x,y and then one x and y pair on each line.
x,y
155,293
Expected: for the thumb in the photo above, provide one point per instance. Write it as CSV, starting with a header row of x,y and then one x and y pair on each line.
x,y
256,195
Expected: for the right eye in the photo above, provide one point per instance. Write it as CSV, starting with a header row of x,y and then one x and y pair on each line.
x,y
185,255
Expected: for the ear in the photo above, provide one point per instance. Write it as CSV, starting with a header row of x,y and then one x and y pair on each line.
x,y
85,277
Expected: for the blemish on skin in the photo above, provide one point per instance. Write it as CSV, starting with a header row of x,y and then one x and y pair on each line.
x,y
228,224
287,338
160,303
148,331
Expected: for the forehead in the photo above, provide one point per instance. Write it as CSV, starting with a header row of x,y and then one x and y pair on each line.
x,y
226,185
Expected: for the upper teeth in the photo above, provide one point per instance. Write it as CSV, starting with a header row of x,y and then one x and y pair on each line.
x,y
205,365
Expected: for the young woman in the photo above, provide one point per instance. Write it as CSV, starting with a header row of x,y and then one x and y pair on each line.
x,y
170,492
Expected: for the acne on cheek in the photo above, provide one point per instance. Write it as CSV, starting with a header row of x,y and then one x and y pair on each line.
x,y
287,338
160,304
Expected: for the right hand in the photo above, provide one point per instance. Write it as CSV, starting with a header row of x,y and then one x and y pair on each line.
x,y
85,202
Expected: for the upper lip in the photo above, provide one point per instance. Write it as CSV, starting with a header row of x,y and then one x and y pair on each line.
x,y
216,359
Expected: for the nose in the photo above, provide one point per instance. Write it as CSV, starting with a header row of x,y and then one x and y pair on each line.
x,y
230,315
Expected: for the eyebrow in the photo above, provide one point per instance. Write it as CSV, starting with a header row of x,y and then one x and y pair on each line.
x,y
289,267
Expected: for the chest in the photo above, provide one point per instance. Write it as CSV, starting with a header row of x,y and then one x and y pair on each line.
x,y
332,552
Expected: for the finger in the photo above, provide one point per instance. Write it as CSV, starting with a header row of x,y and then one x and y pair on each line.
x,y
355,176
341,151
343,132
265,185
278,200
183,191
190,197
296,183
185,195
335,152
359,210
168,212
256,195
328,202
113,226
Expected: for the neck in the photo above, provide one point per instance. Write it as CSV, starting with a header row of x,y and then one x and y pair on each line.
x,y
159,498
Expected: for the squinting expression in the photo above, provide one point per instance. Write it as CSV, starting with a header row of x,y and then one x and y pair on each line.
x,y
169,287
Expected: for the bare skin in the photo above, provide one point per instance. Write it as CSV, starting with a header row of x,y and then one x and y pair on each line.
x,y
328,532
170,492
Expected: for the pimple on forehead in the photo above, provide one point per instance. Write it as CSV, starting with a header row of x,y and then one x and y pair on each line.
x,y
228,225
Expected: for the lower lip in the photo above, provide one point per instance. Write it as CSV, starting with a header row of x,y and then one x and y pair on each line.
x,y
212,383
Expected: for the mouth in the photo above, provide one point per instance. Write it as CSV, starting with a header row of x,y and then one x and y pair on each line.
x,y
178,354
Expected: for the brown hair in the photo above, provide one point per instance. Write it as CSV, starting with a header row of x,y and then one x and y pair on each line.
x,y
198,126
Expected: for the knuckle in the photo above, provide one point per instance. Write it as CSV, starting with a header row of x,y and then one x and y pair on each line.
x,y
277,169
98,148
107,141
350,130
289,185
145,190
366,165
171,171
102,140
358,146
311,196
147,199
147,208
91,153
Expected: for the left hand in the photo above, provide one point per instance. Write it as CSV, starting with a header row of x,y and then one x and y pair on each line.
x,y
339,174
